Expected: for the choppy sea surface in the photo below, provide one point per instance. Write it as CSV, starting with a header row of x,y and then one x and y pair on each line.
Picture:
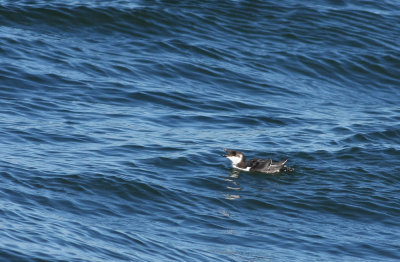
x,y
113,116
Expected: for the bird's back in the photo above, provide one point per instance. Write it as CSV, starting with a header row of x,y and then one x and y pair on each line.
x,y
266,165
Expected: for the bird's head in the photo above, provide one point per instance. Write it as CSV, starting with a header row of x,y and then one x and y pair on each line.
x,y
234,156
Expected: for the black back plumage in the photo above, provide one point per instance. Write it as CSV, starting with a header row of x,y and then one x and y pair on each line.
x,y
265,165
258,164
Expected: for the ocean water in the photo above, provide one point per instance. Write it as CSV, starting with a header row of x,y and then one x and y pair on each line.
x,y
113,116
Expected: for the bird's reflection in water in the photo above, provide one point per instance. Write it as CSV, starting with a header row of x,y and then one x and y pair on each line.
x,y
234,173
233,185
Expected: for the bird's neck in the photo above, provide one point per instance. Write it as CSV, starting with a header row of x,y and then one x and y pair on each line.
x,y
242,163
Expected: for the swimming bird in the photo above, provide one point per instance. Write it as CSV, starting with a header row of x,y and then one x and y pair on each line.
x,y
266,166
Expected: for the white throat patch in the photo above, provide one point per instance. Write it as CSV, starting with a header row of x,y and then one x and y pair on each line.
x,y
235,159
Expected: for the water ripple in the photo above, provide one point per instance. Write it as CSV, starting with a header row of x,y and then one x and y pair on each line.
x,y
114,114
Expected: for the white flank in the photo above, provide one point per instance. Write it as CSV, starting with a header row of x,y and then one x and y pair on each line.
x,y
243,169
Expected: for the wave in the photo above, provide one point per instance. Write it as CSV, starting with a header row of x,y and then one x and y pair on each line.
x,y
114,115
177,39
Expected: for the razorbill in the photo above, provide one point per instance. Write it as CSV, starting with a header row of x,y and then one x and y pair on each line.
x,y
266,166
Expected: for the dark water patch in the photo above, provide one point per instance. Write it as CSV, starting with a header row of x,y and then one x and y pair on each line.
x,y
114,116
386,136
178,101
138,22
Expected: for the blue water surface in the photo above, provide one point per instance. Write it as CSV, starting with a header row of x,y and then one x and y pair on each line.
x,y
114,115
